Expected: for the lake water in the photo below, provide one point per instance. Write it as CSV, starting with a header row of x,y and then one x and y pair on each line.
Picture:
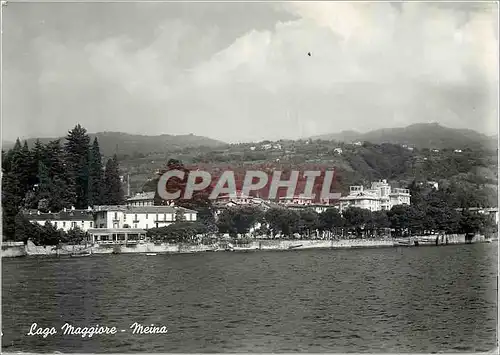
x,y
425,299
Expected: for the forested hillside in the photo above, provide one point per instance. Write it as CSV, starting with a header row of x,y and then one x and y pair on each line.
x,y
471,173
421,135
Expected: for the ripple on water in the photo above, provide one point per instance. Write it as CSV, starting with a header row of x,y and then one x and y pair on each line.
x,y
387,300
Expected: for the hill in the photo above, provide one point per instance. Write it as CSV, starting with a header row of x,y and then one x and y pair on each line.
x,y
421,135
135,144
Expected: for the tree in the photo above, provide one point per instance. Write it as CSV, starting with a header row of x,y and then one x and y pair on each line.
x,y
37,156
282,221
77,159
50,235
472,222
356,219
239,220
113,190
56,185
181,231
308,221
11,201
380,222
95,189
45,189
399,219
331,220
75,236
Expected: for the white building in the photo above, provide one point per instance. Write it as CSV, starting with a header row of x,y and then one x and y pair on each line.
x,y
142,199
492,212
295,200
238,198
65,220
379,197
338,150
433,184
139,217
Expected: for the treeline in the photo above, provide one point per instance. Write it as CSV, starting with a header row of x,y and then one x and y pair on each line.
x,y
53,176
429,216
400,221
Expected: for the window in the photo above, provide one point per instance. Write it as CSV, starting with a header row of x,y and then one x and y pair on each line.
x,y
55,224
64,224
83,224
164,216
146,226
135,218
157,216
91,224
146,216
124,217
73,224
116,215
135,225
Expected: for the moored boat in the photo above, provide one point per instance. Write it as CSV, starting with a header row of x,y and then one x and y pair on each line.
x,y
80,255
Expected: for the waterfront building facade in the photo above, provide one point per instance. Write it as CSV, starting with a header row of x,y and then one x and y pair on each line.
x,y
380,197
142,199
120,236
295,200
142,217
66,219
491,212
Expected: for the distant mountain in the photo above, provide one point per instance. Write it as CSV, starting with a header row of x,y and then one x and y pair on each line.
x,y
124,143
420,135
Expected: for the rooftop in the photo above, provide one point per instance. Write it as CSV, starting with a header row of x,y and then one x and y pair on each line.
x,y
69,215
143,209
107,231
142,196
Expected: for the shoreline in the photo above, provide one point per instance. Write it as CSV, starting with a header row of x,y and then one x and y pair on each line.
x,y
31,249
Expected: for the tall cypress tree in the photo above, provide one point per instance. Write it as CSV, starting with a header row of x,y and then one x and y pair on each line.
x,y
63,192
11,200
45,191
37,155
19,168
77,159
25,167
113,190
95,175
12,193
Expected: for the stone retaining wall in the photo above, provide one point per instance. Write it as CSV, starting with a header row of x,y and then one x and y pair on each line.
x,y
265,244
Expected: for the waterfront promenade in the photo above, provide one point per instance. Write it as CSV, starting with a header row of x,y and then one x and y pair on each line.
x,y
30,249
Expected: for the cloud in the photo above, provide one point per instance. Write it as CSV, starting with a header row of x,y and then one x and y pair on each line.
x,y
373,65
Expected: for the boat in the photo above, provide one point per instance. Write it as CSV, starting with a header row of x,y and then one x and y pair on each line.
x,y
151,254
294,246
80,255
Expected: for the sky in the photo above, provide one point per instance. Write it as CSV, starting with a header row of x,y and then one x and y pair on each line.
x,y
241,71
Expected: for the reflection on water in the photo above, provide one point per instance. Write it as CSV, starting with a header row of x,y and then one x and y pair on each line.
x,y
368,300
